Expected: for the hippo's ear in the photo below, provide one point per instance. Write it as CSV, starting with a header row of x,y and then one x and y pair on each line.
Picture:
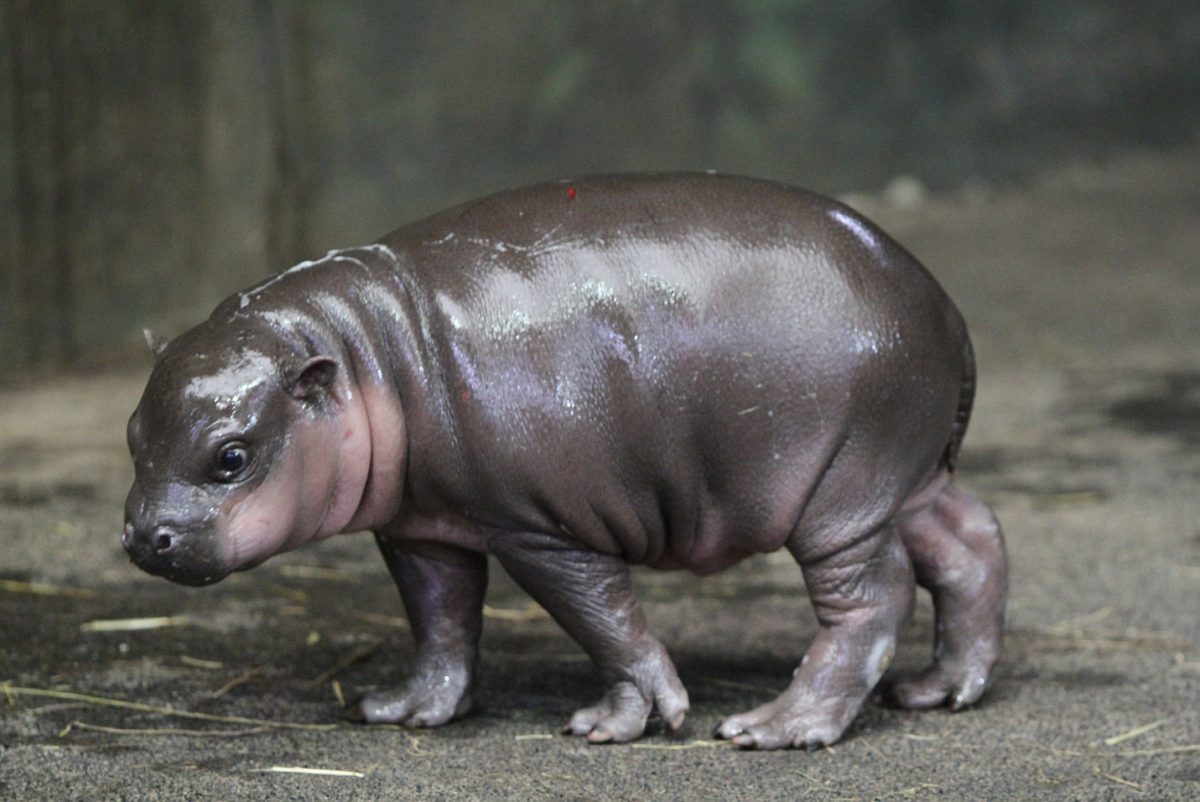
x,y
156,343
313,378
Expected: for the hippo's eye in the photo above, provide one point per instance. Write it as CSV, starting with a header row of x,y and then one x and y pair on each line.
x,y
231,459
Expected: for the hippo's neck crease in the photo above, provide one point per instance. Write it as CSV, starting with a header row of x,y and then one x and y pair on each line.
x,y
378,374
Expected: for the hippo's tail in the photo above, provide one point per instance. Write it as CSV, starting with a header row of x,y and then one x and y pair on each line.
x,y
966,398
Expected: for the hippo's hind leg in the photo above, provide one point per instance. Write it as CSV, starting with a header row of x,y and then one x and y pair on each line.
x,y
589,594
957,551
862,595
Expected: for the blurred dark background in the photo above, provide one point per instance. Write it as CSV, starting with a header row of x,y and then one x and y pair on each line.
x,y
157,155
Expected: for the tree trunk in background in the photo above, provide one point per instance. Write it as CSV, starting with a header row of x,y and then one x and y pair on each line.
x,y
43,303
109,210
287,67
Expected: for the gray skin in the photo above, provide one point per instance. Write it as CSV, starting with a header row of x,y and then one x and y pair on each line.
x,y
675,371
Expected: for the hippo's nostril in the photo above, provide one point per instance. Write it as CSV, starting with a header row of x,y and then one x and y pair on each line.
x,y
162,542
127,535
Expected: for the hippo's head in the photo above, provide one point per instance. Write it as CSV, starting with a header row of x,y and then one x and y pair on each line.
x,y
244,445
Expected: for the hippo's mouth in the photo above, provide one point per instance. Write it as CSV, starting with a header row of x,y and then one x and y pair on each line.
x,y
193,576
195,581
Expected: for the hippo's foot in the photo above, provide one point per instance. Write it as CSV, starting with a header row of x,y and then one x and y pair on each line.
x,y
621,715
956,685
862,597
957,550
792,720
430,698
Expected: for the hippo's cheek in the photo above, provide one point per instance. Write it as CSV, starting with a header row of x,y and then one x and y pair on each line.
x,y
258,525
289,507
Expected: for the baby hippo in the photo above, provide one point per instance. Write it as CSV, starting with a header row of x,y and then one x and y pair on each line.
x,y
676,371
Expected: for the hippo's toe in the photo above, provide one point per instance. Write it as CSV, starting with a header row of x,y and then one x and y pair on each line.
x,y
621,715
957,685
422,703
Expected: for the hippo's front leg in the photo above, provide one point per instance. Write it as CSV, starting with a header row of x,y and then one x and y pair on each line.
x,y
442,588
590,595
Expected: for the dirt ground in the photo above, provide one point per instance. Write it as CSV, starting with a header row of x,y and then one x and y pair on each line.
x,y
1081,290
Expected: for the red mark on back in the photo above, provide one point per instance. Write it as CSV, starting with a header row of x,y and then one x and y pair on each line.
x,y
570,193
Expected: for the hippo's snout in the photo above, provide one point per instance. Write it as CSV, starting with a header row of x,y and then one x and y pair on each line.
x,y
171,552
157,543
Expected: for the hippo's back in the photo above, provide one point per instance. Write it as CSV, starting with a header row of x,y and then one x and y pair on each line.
x,y
695,236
